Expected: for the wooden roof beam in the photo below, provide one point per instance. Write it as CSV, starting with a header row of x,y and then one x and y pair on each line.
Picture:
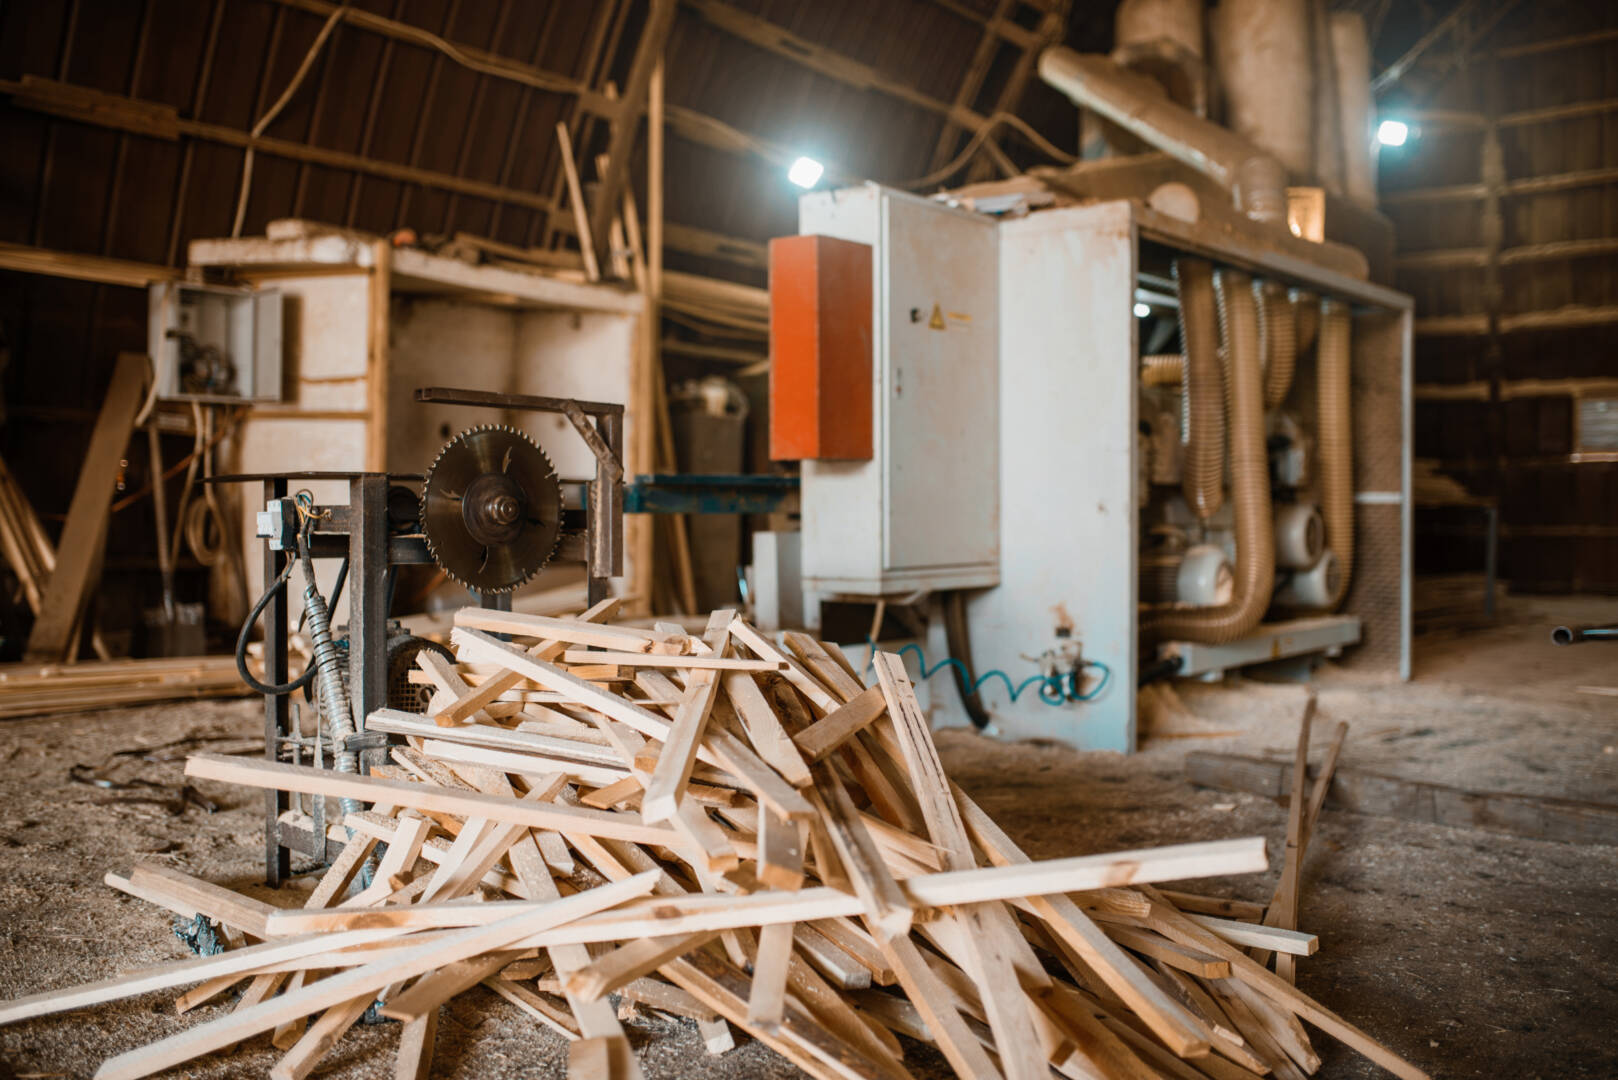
x,y
775,39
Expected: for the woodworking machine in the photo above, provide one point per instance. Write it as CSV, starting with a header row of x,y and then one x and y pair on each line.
x,y
490,512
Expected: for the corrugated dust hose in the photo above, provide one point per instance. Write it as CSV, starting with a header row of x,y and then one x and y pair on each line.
x,y
1202,395
1336,441
1250,477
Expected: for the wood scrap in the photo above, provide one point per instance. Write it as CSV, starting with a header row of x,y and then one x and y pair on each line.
x,y
40,689
841,920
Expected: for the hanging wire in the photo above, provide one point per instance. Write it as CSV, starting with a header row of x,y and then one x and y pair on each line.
x,y
275,110
1053,689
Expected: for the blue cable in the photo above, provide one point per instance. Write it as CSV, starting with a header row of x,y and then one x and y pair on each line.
x,y
1051,688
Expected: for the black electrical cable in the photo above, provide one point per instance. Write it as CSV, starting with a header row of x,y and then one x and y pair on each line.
x,y
960,646
1159,669
247,628
302,681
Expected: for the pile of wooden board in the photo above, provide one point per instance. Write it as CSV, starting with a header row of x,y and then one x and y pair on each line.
x,y
718,828
35,689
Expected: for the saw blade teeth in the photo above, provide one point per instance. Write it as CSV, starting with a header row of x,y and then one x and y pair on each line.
x,y
525,556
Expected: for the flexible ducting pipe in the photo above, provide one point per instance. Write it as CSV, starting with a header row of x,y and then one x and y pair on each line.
x,y
1202,397
1167,369
1250,479
1307,306
1336,441
1257,182
1278,330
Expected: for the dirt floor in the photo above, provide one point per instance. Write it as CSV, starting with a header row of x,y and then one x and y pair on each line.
x,y
1472,954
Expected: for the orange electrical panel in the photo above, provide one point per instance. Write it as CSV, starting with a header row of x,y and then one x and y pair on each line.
x,y
820,349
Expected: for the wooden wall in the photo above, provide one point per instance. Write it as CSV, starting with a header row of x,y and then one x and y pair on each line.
x,y
1506,205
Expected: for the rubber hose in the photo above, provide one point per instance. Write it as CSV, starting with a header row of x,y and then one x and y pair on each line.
x,y
1163,370
1202,396
1336,441
1278,327
268,689
1250,480
959,641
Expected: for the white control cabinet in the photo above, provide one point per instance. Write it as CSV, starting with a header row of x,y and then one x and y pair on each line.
x,y
924,512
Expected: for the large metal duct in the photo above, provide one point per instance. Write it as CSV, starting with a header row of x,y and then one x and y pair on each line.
x,y
1140,21
1351,54
1264,56
1164,39
1250,481
1257,182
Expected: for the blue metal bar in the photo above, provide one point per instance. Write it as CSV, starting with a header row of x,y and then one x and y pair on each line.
x,y
676,493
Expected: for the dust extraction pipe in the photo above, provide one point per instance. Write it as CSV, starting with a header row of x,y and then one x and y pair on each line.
x,y
1163,369
1138,104
1202,397
1250,478
1278,328
1336,441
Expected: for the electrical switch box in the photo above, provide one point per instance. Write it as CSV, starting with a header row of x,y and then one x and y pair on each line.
x,y
923,512
214,342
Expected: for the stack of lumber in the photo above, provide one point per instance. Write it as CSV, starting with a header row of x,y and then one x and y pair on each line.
x,y
37,689
719,828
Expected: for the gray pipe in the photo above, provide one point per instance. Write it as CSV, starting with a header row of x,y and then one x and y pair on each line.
x,y
1257,182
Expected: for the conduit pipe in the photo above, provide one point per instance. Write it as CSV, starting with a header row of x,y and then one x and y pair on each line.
x,y
1257,182
1336,442
1307,305
1278,330
1202,397
1166,369
1250,480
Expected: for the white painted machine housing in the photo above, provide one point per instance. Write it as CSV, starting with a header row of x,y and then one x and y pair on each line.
x,y
923,514
1061,427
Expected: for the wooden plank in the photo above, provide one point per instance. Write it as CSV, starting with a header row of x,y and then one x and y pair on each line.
x,y
1193,961
667,785
841,724
986,927
689,663
769,738
312,781
575,197
717,911
1168,1020
216,902
1177,926
415,1058
1568,821
84,536
883,905
629,962
377,366
781,844
584,630
185,972
368,978
626,122
768,999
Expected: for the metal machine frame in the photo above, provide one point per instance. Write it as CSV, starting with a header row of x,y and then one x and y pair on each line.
x,y
359,530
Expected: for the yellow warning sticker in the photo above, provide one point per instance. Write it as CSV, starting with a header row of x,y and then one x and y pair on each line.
x,y
937,320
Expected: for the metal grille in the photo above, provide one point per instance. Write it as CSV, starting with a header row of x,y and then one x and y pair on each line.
x,y
402,693
1374,592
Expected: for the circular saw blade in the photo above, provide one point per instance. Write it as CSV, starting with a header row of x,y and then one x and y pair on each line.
x,y
491,509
